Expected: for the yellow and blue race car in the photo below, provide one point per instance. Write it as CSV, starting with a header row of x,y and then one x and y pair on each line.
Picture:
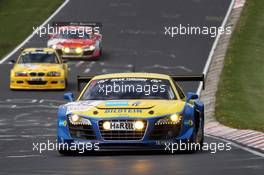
x,y
131,111
39,68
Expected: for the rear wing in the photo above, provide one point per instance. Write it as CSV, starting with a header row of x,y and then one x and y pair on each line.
x,y
85,79
189,78
88,27
87,24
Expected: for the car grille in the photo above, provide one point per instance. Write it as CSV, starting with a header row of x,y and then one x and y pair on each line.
x,y
72,52
35,74
37,82
85,132
164,132
121,135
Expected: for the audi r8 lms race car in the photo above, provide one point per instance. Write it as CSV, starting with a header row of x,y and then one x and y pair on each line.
x,y
39,68
131,111
77,40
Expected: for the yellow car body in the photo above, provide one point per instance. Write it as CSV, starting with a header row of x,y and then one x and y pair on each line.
x,y
39,75
160,106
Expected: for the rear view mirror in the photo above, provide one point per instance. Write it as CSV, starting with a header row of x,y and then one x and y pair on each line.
x,y
12,62
69,96
191,96
50,36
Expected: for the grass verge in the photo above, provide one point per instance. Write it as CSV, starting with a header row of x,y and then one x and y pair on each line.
x,y
240,96
17,18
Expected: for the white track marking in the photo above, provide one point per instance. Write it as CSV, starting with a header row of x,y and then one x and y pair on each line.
x,y
23,156
169,67
51,100
21,115
210,57
37,136
89,66
34,101
79,63
257,153
87,70
9,139
4,136
21,101
33,33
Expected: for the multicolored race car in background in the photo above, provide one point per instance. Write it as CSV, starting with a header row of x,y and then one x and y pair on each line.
x,y
76,40
130,111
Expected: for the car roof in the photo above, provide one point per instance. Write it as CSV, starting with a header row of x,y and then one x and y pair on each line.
x,y
38,50
73,27
133,75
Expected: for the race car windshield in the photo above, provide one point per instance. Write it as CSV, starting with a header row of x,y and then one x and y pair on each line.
x,y
129,88
38,58
74,35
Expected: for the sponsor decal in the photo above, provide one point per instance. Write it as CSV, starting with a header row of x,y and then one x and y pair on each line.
x,y
188,122
123,111
81,106
63,123
136,103
116,103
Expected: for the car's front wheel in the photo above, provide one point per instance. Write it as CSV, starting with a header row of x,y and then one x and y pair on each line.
x,y
64,152
197,140
66,83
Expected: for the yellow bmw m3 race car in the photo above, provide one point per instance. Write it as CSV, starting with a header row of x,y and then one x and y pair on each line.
x,y
39,68
131,111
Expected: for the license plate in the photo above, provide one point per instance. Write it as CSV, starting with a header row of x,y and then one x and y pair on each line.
x,y
36,79
122,126
72,51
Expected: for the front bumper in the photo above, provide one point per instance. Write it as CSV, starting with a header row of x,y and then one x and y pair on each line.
x,y
82,55
146,142
46,83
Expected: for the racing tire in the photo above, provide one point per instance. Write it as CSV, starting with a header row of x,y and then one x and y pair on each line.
x,y
197,140
192,149
66,83
65,152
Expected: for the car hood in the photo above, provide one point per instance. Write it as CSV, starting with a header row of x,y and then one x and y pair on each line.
x,y
73,43
125,108
37,67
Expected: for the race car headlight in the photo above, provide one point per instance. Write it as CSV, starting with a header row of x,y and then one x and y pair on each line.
x,y
139,125
106,125
78,120
21,74
53,74
170,120
66,50
92,47
175,118
78,50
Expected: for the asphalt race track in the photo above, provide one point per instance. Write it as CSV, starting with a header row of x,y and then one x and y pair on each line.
x,y
133,34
